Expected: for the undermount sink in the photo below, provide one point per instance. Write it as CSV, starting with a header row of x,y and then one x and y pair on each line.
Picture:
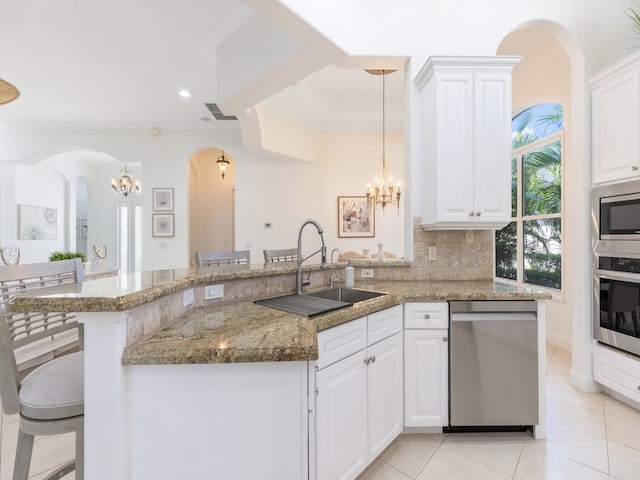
x,y
319,302
346,294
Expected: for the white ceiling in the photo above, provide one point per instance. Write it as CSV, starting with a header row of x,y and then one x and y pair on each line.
x,y
121,63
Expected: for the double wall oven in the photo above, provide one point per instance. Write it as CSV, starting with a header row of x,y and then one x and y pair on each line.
x,y
616,265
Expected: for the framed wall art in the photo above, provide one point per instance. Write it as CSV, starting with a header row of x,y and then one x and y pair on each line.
x,y
162,225
37,223
355,218
162,199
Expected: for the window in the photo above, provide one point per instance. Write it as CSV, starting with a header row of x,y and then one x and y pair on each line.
x,y
529,249
129,237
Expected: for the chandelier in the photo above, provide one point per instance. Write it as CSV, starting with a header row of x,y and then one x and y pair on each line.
x,y
126,184
223,164
383,192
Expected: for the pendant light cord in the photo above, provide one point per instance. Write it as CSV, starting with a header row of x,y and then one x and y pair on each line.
x,y
384,160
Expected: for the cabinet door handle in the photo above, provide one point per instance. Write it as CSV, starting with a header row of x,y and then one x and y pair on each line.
x,y
634,168
366,361
373,359
445,339
478,214
427,316
471,214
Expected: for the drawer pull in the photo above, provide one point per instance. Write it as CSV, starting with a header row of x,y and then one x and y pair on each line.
x,y
366,361
427,316
634,168
446,339
373,359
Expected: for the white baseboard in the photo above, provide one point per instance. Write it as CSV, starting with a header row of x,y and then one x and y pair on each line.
x,y
559,341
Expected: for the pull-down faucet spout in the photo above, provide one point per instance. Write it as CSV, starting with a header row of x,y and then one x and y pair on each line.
x,y
322,250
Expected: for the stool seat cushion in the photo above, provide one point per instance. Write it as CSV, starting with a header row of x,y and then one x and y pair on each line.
x,y
54,390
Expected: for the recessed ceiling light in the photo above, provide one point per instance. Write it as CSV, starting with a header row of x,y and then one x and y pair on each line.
x,y
184,93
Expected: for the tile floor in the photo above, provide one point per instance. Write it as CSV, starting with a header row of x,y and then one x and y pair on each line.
x,y
591,436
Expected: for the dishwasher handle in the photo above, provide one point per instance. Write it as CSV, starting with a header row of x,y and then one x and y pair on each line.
x,y
493,306
493,316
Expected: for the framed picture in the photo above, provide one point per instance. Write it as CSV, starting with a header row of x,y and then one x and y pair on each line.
x,y
37,223
162,225
162,199
355,218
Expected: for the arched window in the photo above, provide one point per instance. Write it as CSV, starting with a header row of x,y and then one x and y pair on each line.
x,y
529,249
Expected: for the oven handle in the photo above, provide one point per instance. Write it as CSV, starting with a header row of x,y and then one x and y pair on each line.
x,y
611,275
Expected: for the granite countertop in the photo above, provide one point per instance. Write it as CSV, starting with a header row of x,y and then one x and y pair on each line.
x,y
245,332
129,290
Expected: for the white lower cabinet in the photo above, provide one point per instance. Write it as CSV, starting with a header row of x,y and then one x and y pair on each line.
x,y
617,371
358,404
426,365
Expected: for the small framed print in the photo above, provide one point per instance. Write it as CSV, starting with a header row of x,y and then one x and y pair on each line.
x,y
162,199
355,218
162,225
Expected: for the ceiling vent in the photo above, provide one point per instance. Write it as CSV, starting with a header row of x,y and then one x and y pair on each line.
x,y
215,111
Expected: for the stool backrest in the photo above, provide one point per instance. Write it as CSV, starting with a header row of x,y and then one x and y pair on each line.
x,y
205,259
20,329
281,255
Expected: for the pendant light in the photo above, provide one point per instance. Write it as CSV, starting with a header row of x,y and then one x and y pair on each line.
x,y
383,192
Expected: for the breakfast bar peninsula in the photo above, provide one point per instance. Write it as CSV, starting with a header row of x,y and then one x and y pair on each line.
x,y
179,386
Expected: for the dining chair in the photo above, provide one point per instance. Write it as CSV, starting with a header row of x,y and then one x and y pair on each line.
x,y
205,259
281,255
49,399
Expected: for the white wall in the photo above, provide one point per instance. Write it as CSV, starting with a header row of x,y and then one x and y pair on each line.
x,y
283,193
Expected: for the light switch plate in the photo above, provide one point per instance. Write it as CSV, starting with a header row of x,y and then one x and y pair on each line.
x,y
187,298
213,291
366,273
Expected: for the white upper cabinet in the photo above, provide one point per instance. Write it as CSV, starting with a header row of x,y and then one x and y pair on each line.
x,y
616,121
465,110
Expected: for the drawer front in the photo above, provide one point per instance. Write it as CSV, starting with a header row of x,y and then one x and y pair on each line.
x,y
426,315
341,341
384,324
617,371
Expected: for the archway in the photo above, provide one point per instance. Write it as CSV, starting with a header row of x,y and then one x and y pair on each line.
x,y
211,203
552,70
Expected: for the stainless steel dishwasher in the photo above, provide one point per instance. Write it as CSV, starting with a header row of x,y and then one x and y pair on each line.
x,y
493,364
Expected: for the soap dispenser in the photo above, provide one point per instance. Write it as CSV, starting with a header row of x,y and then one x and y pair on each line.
x,y
349,275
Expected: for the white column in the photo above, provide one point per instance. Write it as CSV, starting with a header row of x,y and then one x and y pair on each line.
x,y
105,396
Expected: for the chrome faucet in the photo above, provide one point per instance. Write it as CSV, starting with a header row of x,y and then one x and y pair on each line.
x,y
323,254
333,279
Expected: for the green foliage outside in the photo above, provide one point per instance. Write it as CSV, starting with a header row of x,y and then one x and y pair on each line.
x,y
541,194
55,256
633,13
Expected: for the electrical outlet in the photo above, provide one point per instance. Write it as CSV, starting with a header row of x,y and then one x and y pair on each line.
x,y
213,291
432,253
366,273
187,298
469,236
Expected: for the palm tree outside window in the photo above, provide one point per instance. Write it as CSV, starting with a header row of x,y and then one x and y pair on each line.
x,y
529,249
